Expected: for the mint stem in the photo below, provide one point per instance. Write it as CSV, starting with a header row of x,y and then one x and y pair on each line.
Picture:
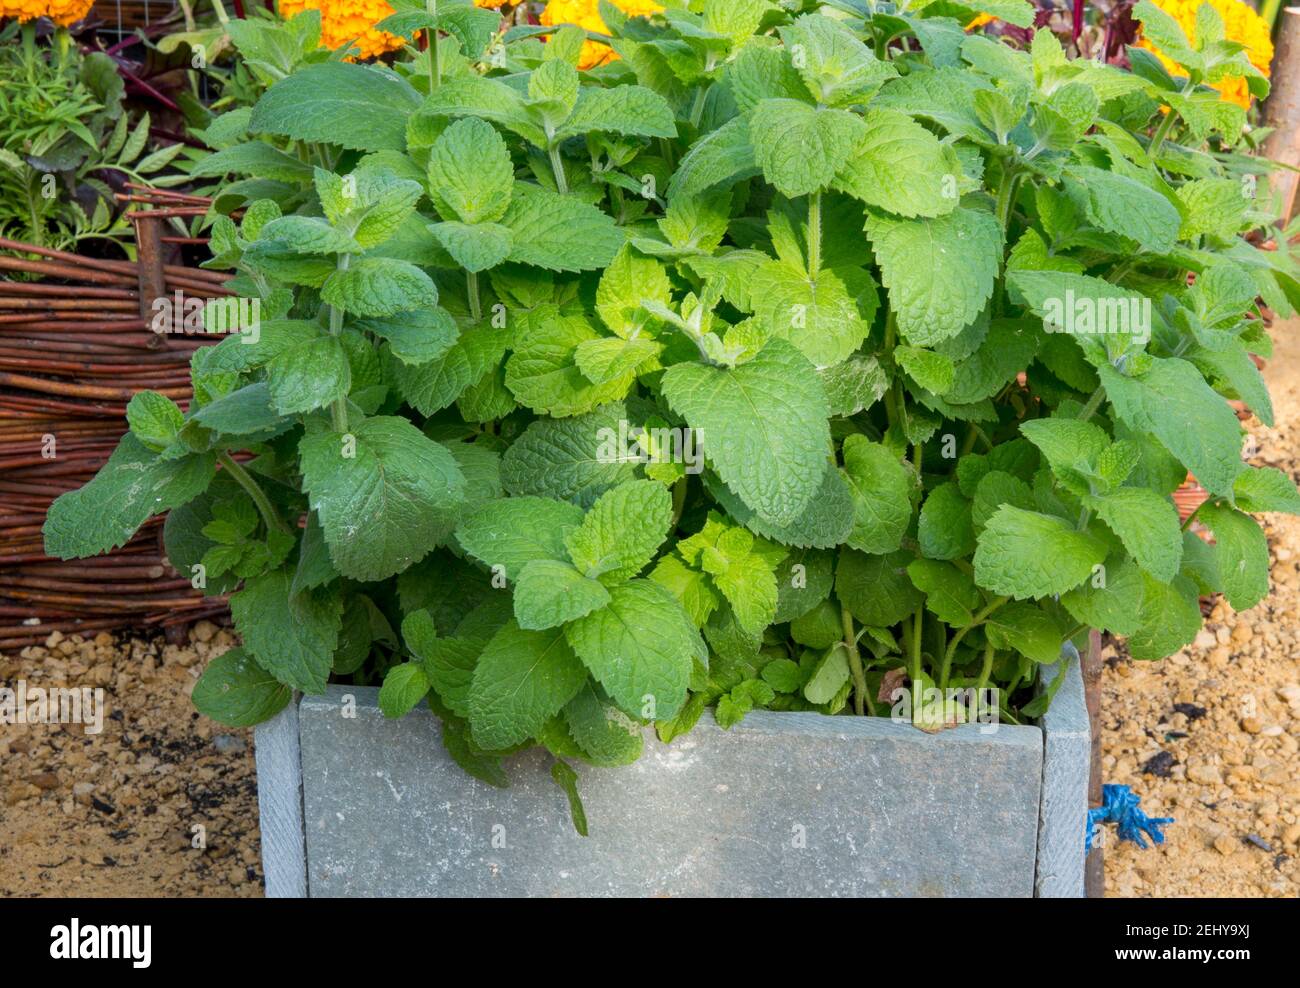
x,y
557,166
814,234
860,697
245,480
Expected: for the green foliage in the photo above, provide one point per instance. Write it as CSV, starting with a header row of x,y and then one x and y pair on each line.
x,y
801,361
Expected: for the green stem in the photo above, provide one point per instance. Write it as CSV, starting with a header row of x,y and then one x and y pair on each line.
x,y
245,480
431,44
975,622
1158,140
1094,403
1006,193
861,699
471,287
986,668
339,409
679,500
814,234
557,166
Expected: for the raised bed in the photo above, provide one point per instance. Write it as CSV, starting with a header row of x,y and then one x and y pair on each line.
x,y
784,804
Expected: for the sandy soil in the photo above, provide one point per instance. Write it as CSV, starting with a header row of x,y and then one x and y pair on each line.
x,y
162,802
1210,736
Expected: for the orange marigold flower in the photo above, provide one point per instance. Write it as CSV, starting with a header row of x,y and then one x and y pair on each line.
x,y
586,15
1241,24
62,12
343,21
979,21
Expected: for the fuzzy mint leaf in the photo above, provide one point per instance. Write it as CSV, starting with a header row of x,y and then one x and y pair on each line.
x,y
1242,552
559,233
632,110
135,484
721,157
827,316
345,103
606,735
542,373
950,594
569,459
475,247
882,491
154,419
1026,554
1169,616
470,173
1148,526
901,167
621,532
380,286
1028,629
308,235
837,68
1266,489
1172,401
764,425
1119,204
309,376
939,272
516,531
293,637
801,148
549,593
641,648
521,680
404,686
234,690
385,494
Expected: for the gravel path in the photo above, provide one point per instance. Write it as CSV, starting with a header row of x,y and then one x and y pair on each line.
x,y
1210,735
161,802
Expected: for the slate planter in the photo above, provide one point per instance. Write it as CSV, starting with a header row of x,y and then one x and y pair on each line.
x,y
785,804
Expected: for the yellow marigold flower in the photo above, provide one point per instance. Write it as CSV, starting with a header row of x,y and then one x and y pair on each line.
x,y
490,4
1241,24
979,21
586,15
62,12
343,21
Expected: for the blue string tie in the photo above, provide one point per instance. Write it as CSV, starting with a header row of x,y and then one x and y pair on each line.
x,y
1119,805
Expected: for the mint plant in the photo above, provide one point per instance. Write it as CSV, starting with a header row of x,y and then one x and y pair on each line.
x,y
949,320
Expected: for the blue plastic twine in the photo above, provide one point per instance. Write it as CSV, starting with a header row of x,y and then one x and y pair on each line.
x,y
1120,806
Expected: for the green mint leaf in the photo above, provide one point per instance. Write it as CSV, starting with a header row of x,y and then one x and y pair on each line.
x,y
1148,526
475,248
946,530
308,235
522,679
559,233
882,490
542,373
470,173
384,492
345,103
800,148
621,532
513,532
632,110
1169,618
640,648
764,426
900,167
135,484
829,675
837,68
375,286
1027,554
1266,489
234,690
876,589
309,376
826,316
549,593
1119,204
404,686
939,272
719,158
1242,552
1028,629
293,637
573,459
154,419
606,735
950,594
